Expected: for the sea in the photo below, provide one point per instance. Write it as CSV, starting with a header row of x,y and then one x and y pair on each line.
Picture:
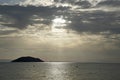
x,y
59,71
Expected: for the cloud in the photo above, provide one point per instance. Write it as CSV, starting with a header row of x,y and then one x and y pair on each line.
x,y
91,29
91,19
57,3
94,19
21,15
37,2
6,31
86,47
109,3
97,21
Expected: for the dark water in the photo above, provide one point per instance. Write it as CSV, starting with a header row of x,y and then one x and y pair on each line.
x,y
59,71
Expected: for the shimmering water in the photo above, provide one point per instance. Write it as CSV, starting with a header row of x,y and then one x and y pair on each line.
x,y
59,71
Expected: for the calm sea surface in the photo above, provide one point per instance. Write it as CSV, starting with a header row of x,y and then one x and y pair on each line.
x,y
59,71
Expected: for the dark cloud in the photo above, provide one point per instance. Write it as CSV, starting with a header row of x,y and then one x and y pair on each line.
x,y
83,4
98,21
21,15
82,21
7,32
109,3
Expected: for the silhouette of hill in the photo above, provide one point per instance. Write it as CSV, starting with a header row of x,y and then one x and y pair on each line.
x,y
27,59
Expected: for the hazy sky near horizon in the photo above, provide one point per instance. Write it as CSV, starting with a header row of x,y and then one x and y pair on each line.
x,y
60,30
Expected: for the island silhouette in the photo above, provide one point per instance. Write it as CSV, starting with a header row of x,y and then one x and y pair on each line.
x,y
27,59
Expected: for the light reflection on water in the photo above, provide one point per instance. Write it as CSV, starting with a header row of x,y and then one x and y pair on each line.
x,y
59,71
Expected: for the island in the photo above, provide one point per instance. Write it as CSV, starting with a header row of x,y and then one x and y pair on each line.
x,y
27,59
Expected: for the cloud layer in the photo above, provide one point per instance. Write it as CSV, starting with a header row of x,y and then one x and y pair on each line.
x,y
89,28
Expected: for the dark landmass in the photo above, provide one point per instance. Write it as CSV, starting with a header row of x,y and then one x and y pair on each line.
x,y
27,59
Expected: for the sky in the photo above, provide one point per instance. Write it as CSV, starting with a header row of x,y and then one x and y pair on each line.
x,y
60,30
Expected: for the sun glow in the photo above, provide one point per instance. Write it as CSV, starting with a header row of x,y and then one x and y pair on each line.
x,y
58,24
59,21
